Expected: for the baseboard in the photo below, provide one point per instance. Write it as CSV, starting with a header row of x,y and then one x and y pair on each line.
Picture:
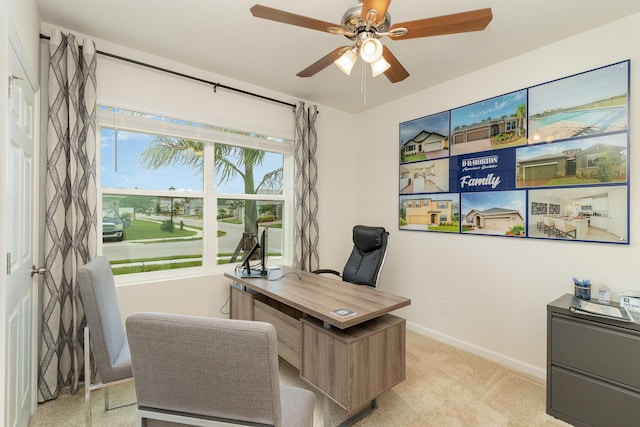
x,y
480,351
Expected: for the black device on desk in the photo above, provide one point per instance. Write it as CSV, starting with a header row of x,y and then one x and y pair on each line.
x,y
247,271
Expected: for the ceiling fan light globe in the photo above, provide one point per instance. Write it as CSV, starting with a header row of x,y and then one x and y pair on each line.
x,y
346,61
371,50
380,66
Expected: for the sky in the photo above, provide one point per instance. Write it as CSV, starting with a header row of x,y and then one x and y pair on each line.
x,y
436,123
128,172
530,152
433,196
503,105
584,88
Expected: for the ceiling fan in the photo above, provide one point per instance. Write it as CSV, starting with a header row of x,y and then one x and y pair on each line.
x,y
367,22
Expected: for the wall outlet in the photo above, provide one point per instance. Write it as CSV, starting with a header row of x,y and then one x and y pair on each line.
x,y
445,307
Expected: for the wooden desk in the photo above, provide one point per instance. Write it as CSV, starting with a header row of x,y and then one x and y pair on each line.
x,y
351,360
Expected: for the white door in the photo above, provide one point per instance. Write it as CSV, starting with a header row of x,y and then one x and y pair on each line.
x,y
19,235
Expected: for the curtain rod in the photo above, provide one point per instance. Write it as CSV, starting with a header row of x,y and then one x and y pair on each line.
x,y
187,76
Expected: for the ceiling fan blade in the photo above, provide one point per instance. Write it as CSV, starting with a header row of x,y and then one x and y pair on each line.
x,y
380,6
473,20
395,73
265,12
323,62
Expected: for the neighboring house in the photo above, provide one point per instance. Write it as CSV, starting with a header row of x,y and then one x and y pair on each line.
x,y
485,129
575,162
494,218
425,142
428,211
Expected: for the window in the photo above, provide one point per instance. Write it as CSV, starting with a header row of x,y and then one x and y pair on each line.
x,y
592,160
442,205
178,195
444,218
511,126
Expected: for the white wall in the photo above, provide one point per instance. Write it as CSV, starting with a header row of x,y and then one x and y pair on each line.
x,y
25,19
497,288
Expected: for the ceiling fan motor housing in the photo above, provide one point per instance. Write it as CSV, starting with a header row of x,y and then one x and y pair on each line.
x,y
354,24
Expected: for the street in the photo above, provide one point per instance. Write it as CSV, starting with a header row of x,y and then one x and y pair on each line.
x,y
125,250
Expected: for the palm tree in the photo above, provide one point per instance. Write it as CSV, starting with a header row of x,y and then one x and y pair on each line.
x,y
521,113
230,162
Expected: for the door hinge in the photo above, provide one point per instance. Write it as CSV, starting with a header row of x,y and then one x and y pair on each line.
x,y
11,80
8,263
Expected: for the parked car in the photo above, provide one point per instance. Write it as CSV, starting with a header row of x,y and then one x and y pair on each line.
x,y
112,226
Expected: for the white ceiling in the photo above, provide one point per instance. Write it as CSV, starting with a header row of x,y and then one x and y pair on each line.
x,y
223,37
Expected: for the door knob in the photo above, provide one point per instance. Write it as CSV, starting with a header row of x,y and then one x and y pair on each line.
x,y
35,270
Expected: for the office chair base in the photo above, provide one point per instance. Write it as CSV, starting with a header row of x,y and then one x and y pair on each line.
x,y
89,386
145,414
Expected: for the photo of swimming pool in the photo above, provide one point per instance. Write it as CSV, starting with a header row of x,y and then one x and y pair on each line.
x,y
568,124
590,103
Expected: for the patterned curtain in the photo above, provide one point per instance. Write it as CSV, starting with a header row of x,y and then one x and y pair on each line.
x,y
306,196
70,222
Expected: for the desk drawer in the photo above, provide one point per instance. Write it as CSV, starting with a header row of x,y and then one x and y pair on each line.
x,y
287,329
605,351
587,401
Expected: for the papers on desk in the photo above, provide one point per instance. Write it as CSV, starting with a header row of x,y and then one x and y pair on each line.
x,y
343,312
600,310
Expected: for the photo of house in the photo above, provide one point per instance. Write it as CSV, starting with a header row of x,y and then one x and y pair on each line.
x,y
435,212
425,138
426,143
585,161
425,177
496,213
494,123
590,103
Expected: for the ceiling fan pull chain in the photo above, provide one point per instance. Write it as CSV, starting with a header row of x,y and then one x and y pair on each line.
x,y
363,89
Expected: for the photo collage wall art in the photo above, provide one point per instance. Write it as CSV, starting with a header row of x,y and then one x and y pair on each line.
x,y
549,162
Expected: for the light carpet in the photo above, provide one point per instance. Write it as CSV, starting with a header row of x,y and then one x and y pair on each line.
x,y
445,386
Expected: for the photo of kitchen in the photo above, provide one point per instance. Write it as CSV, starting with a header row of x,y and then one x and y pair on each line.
x,y
425,177
598,214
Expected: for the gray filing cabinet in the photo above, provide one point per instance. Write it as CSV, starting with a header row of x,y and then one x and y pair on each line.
x,y
593,368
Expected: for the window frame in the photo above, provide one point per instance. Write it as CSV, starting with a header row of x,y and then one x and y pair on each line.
x,y
210,135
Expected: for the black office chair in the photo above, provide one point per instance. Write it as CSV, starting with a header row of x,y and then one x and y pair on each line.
x,y
367,257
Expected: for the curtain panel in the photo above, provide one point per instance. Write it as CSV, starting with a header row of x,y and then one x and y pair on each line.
x,y
306,196
70,219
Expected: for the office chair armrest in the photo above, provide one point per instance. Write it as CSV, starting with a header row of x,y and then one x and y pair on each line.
x,y
326,270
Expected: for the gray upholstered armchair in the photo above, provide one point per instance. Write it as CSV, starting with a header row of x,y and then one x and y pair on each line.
x,y
105,331
208,371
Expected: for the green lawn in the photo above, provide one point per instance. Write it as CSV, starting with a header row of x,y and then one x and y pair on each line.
x,y
143,229
453,228
572,180
414,157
